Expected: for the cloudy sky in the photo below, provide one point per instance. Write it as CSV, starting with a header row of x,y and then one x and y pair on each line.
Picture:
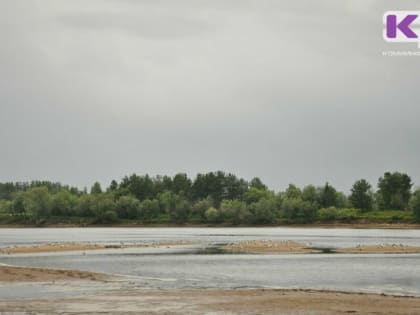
x,y
292,91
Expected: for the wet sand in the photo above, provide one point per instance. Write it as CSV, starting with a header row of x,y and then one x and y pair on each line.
x,y
221,302
61,247
252,246
29,274
141,300
269,246
290,247
381,249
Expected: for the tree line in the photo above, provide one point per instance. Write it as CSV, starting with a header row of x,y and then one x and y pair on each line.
x,y
213,197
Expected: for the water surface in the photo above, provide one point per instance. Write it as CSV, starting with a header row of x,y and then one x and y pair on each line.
x,y
205,266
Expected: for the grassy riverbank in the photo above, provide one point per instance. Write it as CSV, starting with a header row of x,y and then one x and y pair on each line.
x,y
354,218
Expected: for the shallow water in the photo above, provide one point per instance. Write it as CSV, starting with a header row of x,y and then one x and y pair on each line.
x,y
200,266
325,237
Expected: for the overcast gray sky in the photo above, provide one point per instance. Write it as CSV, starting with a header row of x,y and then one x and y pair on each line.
x,y
291,91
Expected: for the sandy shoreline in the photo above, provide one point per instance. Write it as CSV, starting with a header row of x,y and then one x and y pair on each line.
x,y
243,301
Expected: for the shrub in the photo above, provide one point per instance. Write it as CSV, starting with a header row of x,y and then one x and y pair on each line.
x,y
328,214
347,215
212,214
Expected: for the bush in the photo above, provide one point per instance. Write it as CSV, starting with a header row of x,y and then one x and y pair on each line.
x,y
328,214
347,215
212,214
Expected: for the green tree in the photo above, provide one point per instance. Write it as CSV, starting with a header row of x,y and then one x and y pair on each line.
x,y
6,206
293,192
102,205
200,207
361,195
37,201
181,184
394,191
309,193
257,183
181,211
142,187
415,204
297,210
127,207
328,196
212,215
254,194
84,205
18,202
149,209
113,186
263,211
63,203
233,211
96,189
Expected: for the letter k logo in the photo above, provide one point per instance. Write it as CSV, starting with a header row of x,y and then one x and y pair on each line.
x,y
392,26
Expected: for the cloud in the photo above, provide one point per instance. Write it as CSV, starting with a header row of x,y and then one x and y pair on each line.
x,y
292,91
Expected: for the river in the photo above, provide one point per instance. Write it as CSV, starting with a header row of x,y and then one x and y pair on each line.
x,y
202,265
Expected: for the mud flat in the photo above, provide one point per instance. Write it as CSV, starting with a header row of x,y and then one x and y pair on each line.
x,y
220,302
29,274
269,246
62,247
381,249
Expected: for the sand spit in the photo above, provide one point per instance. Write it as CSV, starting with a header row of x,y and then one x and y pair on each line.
x,y
61,247
269,246
216,302
380,249
29,274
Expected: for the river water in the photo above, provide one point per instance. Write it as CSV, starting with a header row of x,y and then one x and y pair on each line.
x,y
203,266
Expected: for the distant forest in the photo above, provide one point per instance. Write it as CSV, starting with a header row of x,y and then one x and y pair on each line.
x,y
210,198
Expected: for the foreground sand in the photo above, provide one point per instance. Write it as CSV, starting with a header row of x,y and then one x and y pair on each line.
x,y
220,302
28,274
